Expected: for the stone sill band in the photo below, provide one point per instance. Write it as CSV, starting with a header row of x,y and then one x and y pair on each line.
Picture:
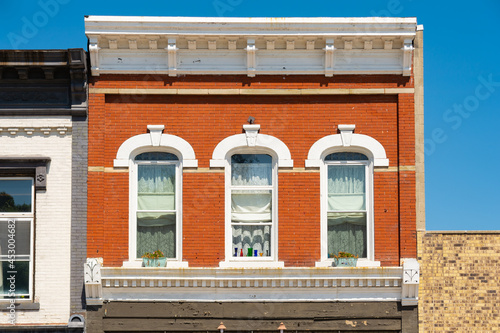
x,y
305,92
401,168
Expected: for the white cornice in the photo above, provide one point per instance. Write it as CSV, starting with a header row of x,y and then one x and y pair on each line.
x,y
178,26
250,46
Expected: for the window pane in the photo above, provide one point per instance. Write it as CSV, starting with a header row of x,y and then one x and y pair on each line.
x,y
21,244
251,206
251,169
255,237
156,187
22,278
346,187
346,156
156,156
15,195
156,231
347,233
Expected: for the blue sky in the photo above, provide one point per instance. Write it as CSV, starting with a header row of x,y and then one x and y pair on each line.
x,y
462,78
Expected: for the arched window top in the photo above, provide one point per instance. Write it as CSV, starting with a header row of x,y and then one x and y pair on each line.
x,y
347,140
155,140
156,156
346,156
251,140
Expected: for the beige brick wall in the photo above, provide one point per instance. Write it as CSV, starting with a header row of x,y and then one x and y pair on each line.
x,y
460,284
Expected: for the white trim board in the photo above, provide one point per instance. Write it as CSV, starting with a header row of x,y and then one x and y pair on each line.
x,y
275,285
251,46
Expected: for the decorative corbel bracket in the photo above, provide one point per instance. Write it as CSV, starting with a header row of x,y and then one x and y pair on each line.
x,y
251,132
251,57
94,56
93,284
407,56
172,57
41,177
346,134
78,72
411,277
329,59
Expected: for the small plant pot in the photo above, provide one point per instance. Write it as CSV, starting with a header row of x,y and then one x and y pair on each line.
x,y
159,262
345,262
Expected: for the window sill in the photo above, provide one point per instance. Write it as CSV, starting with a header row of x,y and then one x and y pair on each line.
x,y
19,305
361,263
251,264
170,264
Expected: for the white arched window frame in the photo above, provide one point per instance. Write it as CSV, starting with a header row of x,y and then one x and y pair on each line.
x,y
347,141
251,142
154,141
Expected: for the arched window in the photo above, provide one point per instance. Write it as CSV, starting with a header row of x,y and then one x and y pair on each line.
x,y
251,163
155,162
157,202
348,175
346,163
252,187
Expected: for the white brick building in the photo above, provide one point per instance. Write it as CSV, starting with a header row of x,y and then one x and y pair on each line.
x,y
42,98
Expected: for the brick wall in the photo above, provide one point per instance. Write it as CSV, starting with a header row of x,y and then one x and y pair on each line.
x,y
52,263
460,282
298,121
78,211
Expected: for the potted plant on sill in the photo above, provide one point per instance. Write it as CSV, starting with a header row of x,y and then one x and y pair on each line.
x,y
154,259
345,259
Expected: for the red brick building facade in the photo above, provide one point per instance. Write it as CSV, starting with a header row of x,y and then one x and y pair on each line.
x,y
259,98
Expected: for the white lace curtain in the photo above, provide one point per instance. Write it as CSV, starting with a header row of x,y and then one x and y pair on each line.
x,y
346,198
156,191
251,207
251,174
